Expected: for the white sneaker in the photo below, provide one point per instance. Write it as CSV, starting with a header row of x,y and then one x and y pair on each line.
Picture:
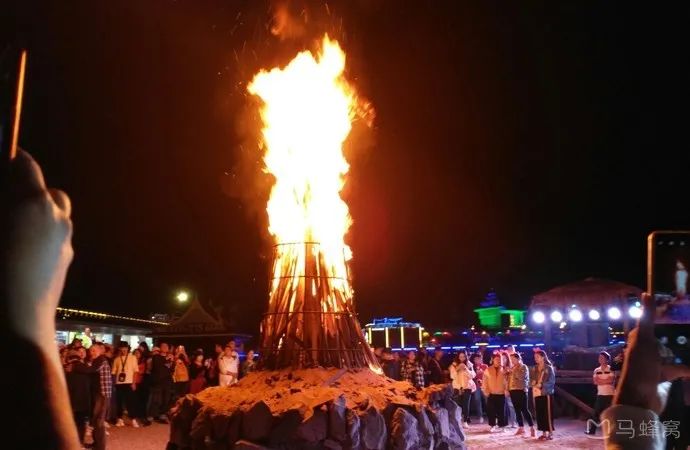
x,y
493,429
466,424
106,424
135,424
120,423
481,419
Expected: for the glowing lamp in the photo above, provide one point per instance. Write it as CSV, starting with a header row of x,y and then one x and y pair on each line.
x,y
556,316
538,317
575,315
594,314
614,313
635,312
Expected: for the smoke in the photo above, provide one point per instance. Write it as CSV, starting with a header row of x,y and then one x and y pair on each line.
x,y
289,22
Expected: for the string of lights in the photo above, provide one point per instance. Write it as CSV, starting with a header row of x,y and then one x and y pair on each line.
x,y
67,312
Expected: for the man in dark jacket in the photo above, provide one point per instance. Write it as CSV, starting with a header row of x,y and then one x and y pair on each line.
x,y
79,387
101,382
435,369
161,369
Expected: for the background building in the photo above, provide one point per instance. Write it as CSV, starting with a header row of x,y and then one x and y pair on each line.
x,y
92,326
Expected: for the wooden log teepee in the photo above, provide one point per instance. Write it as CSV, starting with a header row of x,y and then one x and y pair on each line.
x,y
310,320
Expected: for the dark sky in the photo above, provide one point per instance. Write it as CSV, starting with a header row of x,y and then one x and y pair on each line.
x,y
518,145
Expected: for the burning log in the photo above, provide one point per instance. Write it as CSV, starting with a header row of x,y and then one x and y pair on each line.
x,y
311,321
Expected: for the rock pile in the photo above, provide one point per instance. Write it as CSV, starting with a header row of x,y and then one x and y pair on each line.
x,y
317,409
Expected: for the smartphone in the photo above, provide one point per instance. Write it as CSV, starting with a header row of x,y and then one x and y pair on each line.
x,y
12,70
668,260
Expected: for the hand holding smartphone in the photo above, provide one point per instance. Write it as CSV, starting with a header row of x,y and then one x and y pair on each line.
x,y
668,258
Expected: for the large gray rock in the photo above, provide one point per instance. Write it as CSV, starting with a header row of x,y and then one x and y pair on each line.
x,y
337,424
234,427
315,429
404,435
182,416
286,427
439,418
257,422
425,428
201,426
373,434
219,426
455,421
353,431
446,434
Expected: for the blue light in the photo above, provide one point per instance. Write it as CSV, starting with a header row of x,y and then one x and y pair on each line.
x,y
388,320
445,348
474,346
493,346
526,345
458,347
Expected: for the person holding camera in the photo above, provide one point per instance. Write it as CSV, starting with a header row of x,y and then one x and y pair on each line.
x,y
180,373
125,365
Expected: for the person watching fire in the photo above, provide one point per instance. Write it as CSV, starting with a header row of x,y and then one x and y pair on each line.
x,y
229,365
412,371
494,387
604,379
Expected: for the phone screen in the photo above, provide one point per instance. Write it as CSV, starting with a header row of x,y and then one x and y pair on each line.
x,y
667,277
670,259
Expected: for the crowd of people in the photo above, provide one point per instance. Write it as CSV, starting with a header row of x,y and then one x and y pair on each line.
x,y
498,386
118,386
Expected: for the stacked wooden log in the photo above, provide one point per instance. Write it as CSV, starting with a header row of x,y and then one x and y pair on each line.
x,y
311,320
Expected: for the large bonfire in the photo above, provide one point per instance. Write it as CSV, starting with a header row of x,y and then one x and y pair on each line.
x,y
307,113
322,387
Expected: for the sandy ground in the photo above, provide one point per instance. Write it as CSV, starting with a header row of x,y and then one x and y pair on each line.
x,y
569,435
154,437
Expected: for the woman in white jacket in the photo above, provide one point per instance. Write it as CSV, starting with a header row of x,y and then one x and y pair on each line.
x,y
462,376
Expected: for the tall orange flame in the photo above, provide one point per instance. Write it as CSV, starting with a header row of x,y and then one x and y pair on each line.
x,y
307,113
308,109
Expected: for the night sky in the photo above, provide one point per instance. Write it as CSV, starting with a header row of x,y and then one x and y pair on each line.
x,y
517,146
